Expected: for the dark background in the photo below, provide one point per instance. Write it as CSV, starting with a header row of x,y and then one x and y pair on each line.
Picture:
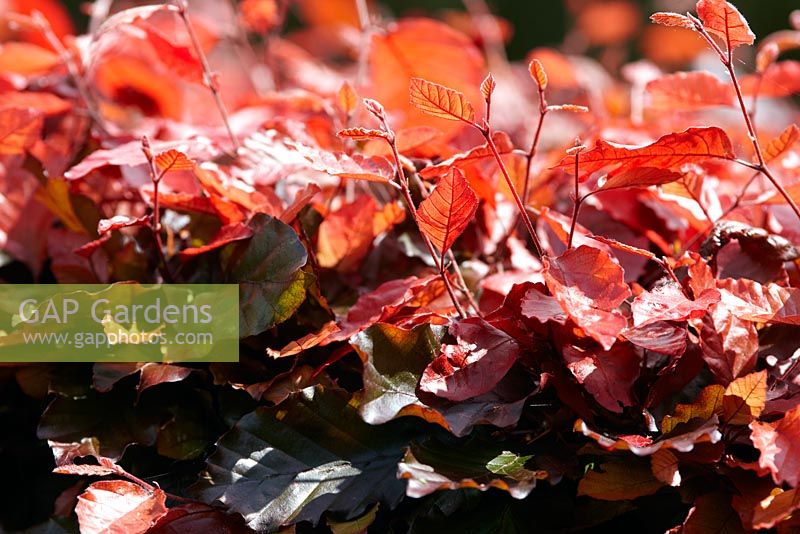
x,y
544,22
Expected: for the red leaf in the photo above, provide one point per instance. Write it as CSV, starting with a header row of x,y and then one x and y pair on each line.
x,y
346,235
357,167
117,222
778,146
607,375
536,305
226,235
729,343
112,506
19,129
668,303
672,19
448,210
428,49
640,177
538,73
589,286
769,303
695,145
780,80
47,104
474,366
723,20
440,101
689,91
173,160
131,154
347,98
779,445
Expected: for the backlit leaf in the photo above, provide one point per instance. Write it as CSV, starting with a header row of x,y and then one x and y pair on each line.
x,y
779,445
745,398
695,145
440,101
19,129
689,91
723,20
448,210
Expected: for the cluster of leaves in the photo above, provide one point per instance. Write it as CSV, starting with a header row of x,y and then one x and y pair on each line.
x,y
439,329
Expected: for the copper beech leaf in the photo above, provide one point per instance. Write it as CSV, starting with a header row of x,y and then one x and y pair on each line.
x,y
779,445
608,375
448,210
619,478
723,20
426,49
669,152
267,268
689,91
119,506
779,145
19,129
173,160
309,455
745,398
589,285
440,101
434,465
667,302
672,19
475,365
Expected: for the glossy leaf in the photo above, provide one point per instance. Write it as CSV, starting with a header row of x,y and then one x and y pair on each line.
x,y
310,454
267,268
589,286
119,506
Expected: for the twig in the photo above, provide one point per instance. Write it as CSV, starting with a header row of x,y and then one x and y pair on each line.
x,y
486,131
378,112
576,207
452,257
726,57
208,76
543,109
39,21
155,218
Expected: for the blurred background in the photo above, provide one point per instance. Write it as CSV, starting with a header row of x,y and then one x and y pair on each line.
x,y
548,22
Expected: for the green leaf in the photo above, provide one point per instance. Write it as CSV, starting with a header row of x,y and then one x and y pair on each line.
x,y
308,455
356,526
268,270
507,463
438,465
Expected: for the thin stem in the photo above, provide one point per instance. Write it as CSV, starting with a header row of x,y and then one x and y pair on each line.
x,y
727,60
534,146
487,134
452,257
40,22
576,208
401,178
363,53
208,75
155,218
